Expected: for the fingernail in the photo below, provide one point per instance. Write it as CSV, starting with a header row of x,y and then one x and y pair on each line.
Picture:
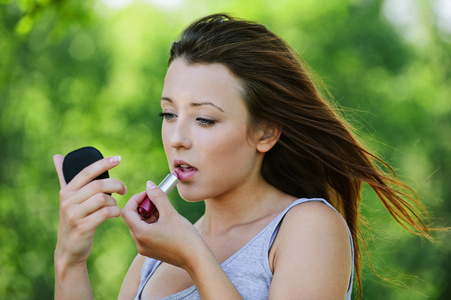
x,y
115,160
151,185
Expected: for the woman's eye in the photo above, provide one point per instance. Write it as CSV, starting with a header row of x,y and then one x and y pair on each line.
x,y
167,116
201,121
205,122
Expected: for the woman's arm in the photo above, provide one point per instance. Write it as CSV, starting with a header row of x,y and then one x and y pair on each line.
x,y
84,205
311,255
209,277
132,279
174,240
72,282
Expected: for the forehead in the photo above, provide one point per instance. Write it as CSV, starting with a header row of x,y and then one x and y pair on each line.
x,y
201,81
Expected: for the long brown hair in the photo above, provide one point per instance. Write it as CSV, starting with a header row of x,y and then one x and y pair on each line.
x,y
317,154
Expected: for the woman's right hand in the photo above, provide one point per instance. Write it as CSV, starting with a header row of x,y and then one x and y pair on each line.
x,y
84,205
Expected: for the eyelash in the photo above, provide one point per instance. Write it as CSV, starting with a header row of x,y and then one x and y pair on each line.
x,y
202,121
205,122
166,116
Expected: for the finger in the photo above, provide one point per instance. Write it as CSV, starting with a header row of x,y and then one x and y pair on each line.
x,y
132,207
58,162
99,186
130,211
159,199
154,217
107,186
92,171
133,202
92,221
94,204
131,216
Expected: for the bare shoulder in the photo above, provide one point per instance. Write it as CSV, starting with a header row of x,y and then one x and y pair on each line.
x,y
316,217
315,226
311,255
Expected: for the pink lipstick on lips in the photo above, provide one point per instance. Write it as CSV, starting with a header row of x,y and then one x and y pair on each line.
x,y
146,208
184,170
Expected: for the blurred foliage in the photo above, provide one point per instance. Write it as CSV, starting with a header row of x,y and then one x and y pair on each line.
x,y
77,73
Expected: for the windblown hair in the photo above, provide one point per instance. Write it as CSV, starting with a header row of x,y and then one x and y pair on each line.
x,y
317,154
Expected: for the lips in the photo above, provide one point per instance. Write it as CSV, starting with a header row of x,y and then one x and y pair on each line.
x,y
184,170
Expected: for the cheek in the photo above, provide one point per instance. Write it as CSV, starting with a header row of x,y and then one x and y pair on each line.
x,y
166,144
230,149
165,138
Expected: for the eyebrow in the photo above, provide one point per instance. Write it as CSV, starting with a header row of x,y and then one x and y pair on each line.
x,y
196,103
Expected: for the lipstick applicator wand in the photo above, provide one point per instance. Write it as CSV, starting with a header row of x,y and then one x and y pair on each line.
x,y
146,208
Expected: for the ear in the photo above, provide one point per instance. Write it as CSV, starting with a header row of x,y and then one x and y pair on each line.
x,y
268,137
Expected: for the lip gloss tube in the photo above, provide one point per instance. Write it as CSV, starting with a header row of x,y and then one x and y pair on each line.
x,y
146,208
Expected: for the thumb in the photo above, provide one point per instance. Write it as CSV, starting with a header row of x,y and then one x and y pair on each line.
x,y
159,199
58,162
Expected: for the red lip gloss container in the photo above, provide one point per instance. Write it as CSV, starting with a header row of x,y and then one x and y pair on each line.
x,y
146,208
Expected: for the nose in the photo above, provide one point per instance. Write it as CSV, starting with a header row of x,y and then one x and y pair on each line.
x,y
179,135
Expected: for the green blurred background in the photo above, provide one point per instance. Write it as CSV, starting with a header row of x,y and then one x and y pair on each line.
x,y
77,73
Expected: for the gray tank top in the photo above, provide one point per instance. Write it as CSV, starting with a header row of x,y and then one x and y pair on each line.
x,y
248,268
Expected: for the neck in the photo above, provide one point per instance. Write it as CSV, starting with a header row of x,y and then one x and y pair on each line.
x,y
245,205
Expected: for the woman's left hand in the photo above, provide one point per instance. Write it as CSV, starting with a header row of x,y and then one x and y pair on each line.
x,y
166,235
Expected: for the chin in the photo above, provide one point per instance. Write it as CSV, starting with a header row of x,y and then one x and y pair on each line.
x,y
189,196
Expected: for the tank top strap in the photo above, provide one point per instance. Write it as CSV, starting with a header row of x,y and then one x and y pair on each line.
x,y
275,225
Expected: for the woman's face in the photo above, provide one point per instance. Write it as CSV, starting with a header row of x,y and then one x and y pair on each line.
x,y
205,131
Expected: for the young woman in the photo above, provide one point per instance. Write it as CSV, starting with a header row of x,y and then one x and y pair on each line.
x,y
247,131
